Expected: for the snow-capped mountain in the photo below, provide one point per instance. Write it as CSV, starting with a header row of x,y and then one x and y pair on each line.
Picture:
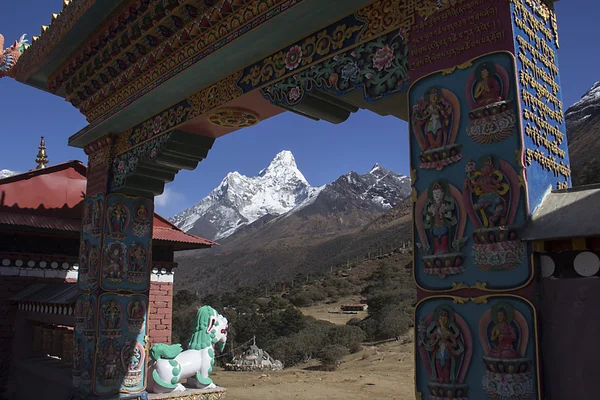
x,y
5,173
240,200
583,127
583,111
282,190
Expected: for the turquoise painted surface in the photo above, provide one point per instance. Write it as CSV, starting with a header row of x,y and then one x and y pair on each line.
x,y
474,326
461,83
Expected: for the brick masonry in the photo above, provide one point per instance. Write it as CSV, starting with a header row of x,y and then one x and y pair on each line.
x,y
160,313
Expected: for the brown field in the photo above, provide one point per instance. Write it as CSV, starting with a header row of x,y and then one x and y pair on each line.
x,y
381,372
321,311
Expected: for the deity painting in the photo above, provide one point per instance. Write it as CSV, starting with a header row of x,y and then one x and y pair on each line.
x,y
97,217
109,364
136,314
79,314
111,316
504,336
94,261
139,262
77,357
115,259
117,218
89,324
132,359
141,219
491,192
88,361
84,254
445,348
440,221
492,115
434,120
86,221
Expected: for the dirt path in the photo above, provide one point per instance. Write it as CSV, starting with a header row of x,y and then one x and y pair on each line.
x,y
383,372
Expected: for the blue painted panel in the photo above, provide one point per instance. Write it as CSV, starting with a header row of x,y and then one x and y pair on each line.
x,y
476,159
127,252
476,351
91,242
545,140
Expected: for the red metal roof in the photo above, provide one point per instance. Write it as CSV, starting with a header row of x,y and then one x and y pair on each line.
x,y
51,198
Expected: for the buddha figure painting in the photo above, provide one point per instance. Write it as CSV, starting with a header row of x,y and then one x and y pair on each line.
x,y
491,196
114,261
117,218
97,210
141,219
108,366
112,318
440,221
139,261
504,335
492,116
445,348
434,120
136,314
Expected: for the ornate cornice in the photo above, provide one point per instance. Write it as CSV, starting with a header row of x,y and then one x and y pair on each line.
x,y
50,36
179,40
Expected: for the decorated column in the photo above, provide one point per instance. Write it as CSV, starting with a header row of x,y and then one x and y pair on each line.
x,y
487,143
114,282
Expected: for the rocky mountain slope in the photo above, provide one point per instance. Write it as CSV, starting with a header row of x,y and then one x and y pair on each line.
x,y
276,249
583,129
280,191
331,225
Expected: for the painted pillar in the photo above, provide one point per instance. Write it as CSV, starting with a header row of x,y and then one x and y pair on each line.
x,y
487,142
114,283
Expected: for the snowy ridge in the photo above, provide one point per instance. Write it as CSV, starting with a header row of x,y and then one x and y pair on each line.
x,y
281,190
240,200
583,112
5,173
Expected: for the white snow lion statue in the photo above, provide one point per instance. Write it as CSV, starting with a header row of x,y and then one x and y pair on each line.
x,y
171,363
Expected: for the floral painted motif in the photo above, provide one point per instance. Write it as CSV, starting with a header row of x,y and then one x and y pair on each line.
x,y
126,163
383,58
379,68
491,193
504,336
293,58
440,221
434,120
445,348
493,117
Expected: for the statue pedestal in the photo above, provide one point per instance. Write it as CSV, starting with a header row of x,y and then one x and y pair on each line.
x,y
191,394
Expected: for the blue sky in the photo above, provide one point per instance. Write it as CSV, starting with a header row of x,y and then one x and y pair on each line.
x,y
323,151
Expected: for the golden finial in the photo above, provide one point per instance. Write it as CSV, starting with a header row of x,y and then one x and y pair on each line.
x,y
42,157
34,38
66,3
54,16
44,28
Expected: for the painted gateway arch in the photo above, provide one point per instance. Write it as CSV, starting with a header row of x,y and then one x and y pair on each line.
x,y
477,80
